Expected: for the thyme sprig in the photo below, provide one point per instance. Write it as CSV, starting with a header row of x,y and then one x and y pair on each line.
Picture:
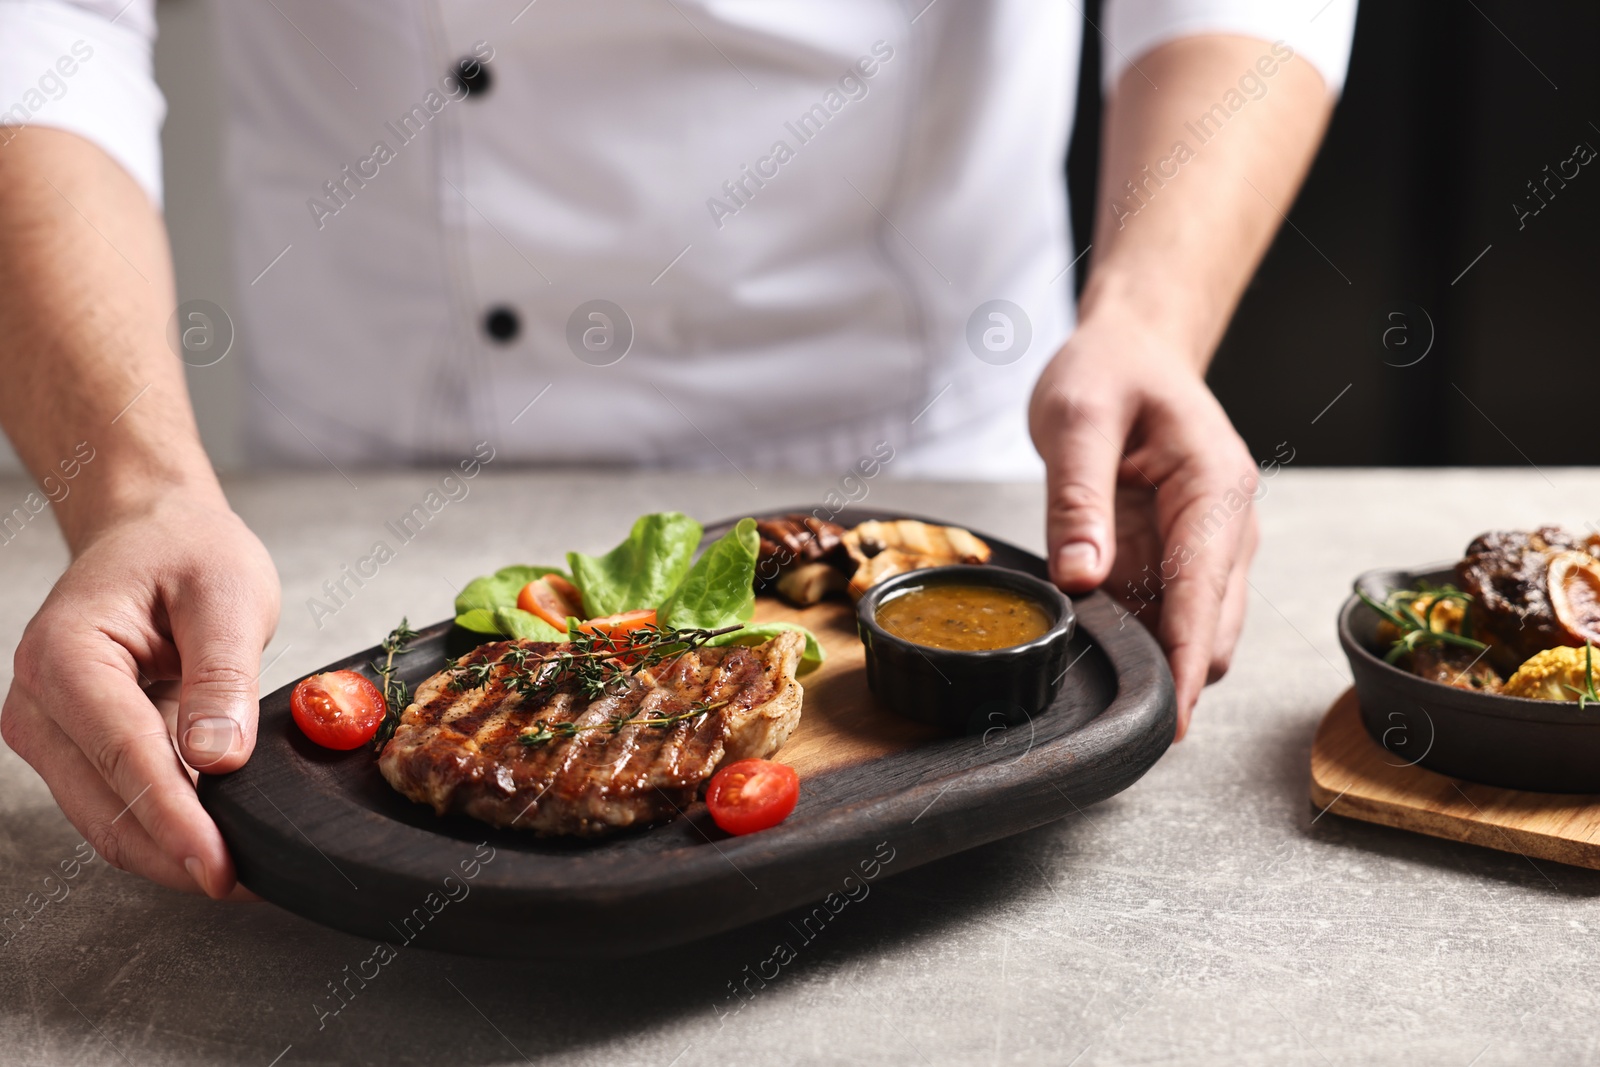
x,y
395,694
1587,694
593,662
1417,629
544,730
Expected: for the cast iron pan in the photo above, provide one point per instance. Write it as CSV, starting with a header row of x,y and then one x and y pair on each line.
x,y
1544,746
321,834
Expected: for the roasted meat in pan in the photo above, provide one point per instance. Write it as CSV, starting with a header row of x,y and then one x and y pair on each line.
x,y
630,760
1452,665
1517,607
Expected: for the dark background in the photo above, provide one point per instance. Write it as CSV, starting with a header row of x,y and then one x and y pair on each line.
x,y
1450,109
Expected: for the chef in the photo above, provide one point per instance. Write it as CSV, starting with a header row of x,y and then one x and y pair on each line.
x,y
737,235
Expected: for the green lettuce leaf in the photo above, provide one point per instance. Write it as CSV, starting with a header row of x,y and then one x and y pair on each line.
x,y
478,620
650,569
755,633
719,589
500,589
642,570
514,622
480,603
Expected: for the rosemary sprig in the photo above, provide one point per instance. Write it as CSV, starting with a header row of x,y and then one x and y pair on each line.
x,y
593,662
1587,694
1415,629
544,730
395,694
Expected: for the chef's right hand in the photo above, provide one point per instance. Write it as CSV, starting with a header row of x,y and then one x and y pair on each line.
x,y
1149,491
179,591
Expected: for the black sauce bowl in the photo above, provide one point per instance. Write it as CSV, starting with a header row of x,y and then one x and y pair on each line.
x,y
1545,746
966,690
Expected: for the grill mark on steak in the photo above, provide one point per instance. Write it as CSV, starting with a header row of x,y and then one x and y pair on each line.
x,y
461,750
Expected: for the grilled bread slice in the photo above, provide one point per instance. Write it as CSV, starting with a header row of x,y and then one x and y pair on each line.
x,y
881,549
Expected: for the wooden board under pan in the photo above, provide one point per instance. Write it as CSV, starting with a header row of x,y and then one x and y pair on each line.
x,y
1354,776
322,834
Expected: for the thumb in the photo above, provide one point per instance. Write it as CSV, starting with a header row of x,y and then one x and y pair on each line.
x,y
219,635
1081,455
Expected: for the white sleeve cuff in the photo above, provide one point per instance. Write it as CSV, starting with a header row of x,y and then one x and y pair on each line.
x,y
1319,31
85,67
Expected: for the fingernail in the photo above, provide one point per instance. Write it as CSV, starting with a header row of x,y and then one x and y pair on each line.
x,y
197,872
1076,558
211,739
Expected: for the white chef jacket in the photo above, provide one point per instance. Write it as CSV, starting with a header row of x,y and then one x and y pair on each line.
x,y
801,208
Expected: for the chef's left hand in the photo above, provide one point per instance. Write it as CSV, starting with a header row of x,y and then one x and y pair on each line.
x,y
1149,490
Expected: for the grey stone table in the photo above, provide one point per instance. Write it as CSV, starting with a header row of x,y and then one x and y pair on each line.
x,y
1206,915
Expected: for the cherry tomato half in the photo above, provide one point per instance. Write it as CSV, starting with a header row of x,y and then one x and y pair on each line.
x,y
552,598
339,709
751,795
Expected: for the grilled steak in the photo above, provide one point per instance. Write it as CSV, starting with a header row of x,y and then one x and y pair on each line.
x,y
463,750
1507,573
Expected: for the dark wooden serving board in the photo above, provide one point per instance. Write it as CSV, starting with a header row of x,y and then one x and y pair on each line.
x,y
323,835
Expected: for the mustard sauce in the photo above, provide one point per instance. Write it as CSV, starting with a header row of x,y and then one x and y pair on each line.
x,y
964,618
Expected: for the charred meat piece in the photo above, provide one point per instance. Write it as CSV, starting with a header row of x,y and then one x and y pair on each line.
x,y
1508,575
798,538
802,557
882,549
464,750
